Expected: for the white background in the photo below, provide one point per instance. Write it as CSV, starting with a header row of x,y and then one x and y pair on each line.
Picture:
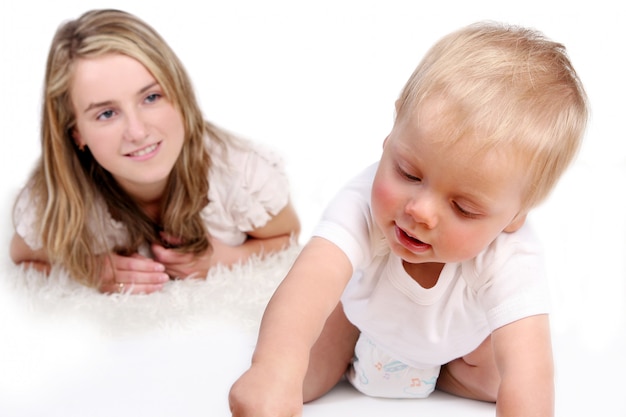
x,y
317,81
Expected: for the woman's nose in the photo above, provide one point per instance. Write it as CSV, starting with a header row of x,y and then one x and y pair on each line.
x,y
136,130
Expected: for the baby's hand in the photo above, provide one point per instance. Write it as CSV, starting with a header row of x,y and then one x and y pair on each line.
x,y
135,274
262,394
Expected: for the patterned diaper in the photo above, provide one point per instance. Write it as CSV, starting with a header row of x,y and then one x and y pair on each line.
x,y
376,374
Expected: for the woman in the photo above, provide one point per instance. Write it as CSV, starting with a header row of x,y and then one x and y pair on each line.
x,y
134,186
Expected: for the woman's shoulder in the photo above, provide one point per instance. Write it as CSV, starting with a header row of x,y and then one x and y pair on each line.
x,y
236,154
247,185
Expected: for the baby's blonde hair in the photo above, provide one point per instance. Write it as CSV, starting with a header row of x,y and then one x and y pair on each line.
x,y
507,88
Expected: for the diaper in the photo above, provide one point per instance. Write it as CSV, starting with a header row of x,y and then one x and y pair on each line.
x,y
377,374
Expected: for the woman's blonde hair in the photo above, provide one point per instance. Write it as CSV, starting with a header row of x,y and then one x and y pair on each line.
x,y
507,88
67,181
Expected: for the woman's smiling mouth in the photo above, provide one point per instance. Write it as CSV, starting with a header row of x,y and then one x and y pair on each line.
x,y
144,151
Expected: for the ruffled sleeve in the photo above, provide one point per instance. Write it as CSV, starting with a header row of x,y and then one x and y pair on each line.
x,y
25,219
247,186
110,232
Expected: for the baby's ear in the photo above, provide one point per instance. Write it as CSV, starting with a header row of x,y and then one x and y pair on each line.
x,y
516,223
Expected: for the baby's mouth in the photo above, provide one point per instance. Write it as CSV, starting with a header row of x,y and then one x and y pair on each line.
x,y
411,238
411,242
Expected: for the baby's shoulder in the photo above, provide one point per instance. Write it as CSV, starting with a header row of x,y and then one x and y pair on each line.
x,y
510,254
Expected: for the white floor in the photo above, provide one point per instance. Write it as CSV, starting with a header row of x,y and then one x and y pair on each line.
x,y
317,82
189,375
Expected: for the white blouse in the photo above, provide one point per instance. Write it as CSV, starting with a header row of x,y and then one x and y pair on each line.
x,y
247,186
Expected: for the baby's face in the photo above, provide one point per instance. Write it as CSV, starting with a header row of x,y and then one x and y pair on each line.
x,y
438,202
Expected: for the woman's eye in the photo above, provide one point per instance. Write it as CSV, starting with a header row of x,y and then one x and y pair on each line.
x,y
107,114
153,97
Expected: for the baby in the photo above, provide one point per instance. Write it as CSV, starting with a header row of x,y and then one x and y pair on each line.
x,y
423,273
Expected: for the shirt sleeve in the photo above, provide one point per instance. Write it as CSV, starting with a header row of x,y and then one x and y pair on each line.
x,y
111,232
512,283
347,221
25,219
247,186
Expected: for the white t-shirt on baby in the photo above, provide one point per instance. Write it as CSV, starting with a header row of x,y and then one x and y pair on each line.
x,y
422,327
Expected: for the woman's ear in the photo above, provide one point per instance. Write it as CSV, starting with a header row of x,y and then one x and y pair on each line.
x,y
77,139
517,222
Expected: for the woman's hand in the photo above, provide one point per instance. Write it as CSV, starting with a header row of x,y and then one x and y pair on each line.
x,y
183,265
189,265
275,235
134,274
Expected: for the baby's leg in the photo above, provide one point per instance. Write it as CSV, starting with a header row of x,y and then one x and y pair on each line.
x,y
474,376
331,355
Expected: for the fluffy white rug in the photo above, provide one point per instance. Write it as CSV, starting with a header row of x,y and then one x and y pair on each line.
x,y
234,296
175,352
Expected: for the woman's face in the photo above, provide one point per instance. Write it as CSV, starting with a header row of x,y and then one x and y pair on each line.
x,y
123,116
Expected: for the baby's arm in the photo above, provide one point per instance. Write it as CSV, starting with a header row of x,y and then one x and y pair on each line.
x,y
523,353
291,324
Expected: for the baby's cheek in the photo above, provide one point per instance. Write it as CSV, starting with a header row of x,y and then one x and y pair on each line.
x,y
381,195
463,243
383,201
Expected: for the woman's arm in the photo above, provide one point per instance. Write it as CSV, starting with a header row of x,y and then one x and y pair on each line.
x,y
273,236
136,274
21,253
284,223
523,353
291,324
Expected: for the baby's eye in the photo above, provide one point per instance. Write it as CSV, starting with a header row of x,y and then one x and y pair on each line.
x,y
408,176
464,212
105,115
412,177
